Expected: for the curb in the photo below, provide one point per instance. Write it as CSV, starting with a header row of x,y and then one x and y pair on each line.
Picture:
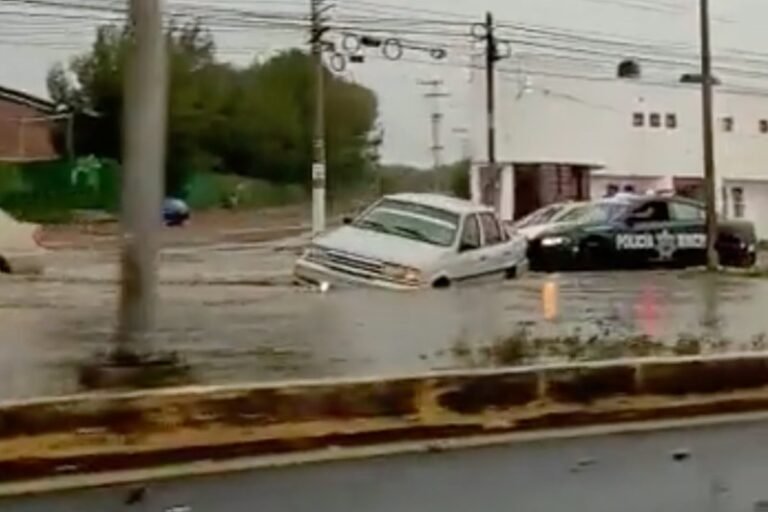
x,y
100,433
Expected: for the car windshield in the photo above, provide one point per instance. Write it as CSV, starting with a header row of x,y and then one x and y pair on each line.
x,y
595,213
542,216
411,220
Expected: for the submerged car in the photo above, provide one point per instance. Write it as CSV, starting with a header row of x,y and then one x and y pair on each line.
x,y
175,212
410,241
546,218
21,251
637,232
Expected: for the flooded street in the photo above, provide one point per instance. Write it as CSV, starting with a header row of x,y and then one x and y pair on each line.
x,y
232,313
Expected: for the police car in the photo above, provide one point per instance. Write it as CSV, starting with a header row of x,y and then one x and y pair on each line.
x,y
639,231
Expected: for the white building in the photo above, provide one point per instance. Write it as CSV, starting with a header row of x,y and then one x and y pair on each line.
x,y
622,132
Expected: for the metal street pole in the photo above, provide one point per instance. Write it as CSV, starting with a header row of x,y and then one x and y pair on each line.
x,y
144,146
318,143
708,136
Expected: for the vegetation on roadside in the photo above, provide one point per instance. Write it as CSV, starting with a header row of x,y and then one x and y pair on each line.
x,y
524,347
452,179
251,122
237,137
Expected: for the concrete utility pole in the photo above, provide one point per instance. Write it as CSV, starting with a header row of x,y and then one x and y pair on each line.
x,y
144,146
708,136
436,118
463,135
318,143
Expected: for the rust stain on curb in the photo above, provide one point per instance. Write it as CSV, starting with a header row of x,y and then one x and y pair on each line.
x,y
96,433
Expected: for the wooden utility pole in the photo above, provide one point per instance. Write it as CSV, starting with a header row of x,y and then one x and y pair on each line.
x,y
491,56
318,140
707,81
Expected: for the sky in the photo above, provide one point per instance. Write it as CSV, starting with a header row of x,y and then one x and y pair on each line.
x,y
31,42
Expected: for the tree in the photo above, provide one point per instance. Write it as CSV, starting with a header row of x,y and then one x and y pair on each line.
x,y
255,122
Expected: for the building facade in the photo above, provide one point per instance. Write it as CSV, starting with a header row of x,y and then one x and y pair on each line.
x,y
27,128
625,133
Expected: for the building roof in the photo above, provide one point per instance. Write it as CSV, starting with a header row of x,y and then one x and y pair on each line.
x,y
571,163
24,98
442,202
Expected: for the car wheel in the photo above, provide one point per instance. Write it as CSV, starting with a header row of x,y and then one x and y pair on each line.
x,y
592,256
441,283
5,268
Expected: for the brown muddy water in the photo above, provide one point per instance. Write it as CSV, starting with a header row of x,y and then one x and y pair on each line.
x,y
230,312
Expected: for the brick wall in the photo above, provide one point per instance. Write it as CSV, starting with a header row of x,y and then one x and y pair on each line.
x,y
24,136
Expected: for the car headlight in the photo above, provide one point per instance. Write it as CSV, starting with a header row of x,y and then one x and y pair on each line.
x,y
555,241
400,273
315,253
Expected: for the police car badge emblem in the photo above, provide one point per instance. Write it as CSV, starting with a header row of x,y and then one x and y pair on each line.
x,y
666,245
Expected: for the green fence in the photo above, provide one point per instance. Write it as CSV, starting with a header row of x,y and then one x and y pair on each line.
x,y
51,191
208,190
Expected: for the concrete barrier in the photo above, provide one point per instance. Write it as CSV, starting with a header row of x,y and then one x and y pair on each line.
x,y
108,432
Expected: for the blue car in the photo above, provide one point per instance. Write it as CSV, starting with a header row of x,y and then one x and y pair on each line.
x,y
175,212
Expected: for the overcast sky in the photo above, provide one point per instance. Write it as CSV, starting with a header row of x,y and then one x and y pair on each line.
x,y
30,44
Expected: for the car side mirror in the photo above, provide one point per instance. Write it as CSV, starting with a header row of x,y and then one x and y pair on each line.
x,y
465,247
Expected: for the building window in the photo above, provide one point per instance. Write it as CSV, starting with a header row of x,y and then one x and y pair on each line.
x,y
727,124
737,197
687,211
655,120
638,119
629,69
764,126
671,121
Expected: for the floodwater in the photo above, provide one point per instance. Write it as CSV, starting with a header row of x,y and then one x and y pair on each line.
x,y
232,314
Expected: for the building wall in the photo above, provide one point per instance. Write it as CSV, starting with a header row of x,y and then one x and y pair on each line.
x,y
755,206
591,122
573,121
25,133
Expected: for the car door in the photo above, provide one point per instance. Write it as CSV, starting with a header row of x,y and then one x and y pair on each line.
x,y
496,252
470,259
688,220
648,237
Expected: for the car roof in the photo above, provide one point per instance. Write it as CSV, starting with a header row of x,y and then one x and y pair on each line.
x,y
447,203
636,198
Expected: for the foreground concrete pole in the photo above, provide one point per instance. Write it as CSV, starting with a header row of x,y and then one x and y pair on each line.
x,y
144,147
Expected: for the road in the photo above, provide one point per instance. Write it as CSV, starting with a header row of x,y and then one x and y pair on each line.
x,y
230,310
713,468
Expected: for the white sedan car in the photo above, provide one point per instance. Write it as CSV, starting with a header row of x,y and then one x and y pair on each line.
x,y
20,249
410,241
546,218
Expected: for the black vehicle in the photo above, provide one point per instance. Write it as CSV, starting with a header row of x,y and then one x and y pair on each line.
x,y
639,232
175,212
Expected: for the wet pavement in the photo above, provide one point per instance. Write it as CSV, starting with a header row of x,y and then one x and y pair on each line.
x,y
718,468
231,312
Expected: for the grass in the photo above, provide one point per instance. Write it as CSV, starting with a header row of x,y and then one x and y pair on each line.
x,y
522,347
